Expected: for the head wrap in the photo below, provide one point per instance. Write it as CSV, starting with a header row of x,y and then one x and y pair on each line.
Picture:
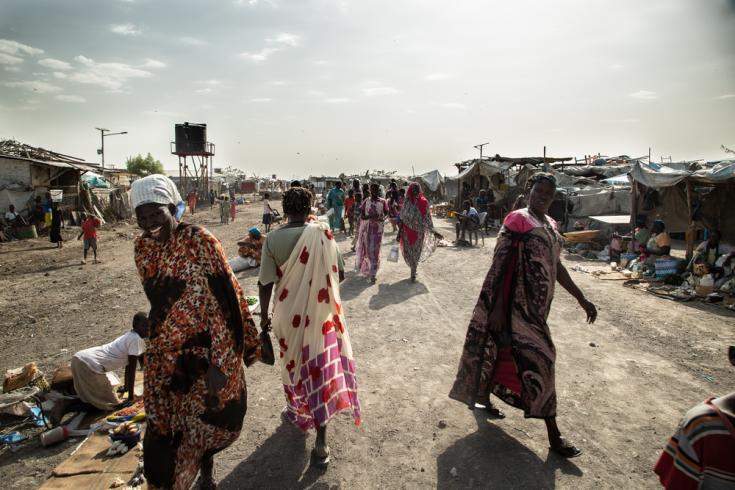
x,y
156,189
539,177
254,231
415,196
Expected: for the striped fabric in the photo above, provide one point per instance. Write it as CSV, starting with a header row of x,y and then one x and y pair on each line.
x,y
701,454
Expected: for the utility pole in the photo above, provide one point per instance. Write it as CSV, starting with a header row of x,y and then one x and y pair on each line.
x,y
479,147
101,151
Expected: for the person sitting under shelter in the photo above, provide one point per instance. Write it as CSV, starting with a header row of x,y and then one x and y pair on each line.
x,y
659,243
709,251
90,367
466,221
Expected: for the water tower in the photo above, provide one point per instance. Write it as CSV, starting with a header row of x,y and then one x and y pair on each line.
x,y
195,157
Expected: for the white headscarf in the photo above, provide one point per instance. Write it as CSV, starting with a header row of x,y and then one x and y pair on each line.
x,y
154,188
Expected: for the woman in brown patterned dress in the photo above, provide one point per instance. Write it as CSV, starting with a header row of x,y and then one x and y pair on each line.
x,y
508,350
200,333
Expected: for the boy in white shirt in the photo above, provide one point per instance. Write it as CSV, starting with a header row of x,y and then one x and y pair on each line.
x,y
89,367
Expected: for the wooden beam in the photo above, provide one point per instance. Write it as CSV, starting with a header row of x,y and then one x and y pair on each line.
x,y
690,229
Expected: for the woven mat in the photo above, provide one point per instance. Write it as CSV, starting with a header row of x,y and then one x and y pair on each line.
x,y
90,467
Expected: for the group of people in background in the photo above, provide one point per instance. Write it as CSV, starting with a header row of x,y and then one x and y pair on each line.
x,y
365,210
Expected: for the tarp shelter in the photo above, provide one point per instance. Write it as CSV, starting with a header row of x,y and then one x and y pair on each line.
x,y
431,181
432,184
597,201
687,200
477,175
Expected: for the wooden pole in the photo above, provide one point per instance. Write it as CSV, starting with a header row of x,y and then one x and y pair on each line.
x,y
690,230
633,212
544,165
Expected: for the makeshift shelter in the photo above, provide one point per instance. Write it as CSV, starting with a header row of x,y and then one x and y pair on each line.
x,y
686,200
475,175
27,171
432,183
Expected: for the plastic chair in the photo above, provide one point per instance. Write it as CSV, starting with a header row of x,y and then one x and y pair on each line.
x,y
475,229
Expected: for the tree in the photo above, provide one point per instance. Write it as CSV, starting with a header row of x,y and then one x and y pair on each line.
x,y
144,165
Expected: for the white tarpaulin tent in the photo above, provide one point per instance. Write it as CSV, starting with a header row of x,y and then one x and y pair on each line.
x,y
432,180
596,201
663,176
477,168
672,200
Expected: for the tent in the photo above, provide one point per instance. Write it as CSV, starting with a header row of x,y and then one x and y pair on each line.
x,y
431,181
474,177
686,200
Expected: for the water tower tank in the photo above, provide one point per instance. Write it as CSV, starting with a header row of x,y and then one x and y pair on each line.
x,y
190,138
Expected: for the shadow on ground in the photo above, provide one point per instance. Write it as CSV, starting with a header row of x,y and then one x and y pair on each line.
x,y
393,294
491,458
282,461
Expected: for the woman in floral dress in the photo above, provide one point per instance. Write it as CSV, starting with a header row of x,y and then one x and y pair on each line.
x,y
200,334
418,239
374,210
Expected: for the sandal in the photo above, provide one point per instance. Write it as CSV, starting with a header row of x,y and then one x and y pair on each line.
x,y
321,459
566,449
493,411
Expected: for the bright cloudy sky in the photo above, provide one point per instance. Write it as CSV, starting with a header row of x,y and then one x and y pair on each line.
x,y
324,86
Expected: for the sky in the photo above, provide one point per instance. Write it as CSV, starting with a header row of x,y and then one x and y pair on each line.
x,y
320,87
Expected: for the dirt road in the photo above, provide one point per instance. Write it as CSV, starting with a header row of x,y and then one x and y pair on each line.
x,y
619,400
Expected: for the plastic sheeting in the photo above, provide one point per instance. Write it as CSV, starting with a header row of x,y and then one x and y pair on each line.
x,y
432,180
19,199
483,168
96,181
599,201
667,177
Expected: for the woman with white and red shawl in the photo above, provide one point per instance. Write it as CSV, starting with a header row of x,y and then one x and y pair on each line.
x,y
301,268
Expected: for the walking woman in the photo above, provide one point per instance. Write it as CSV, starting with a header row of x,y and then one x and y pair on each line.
x,y
418,239
374,210
508,351
302,261
335,202
200,333
233,209
57,223
224,209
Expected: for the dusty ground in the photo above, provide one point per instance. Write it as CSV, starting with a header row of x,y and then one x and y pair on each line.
x,y
619,401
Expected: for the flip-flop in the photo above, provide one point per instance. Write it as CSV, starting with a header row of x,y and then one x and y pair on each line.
x,y
319,460
566,449
493,411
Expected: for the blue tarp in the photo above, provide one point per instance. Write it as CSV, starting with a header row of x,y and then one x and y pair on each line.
x,y
96,181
